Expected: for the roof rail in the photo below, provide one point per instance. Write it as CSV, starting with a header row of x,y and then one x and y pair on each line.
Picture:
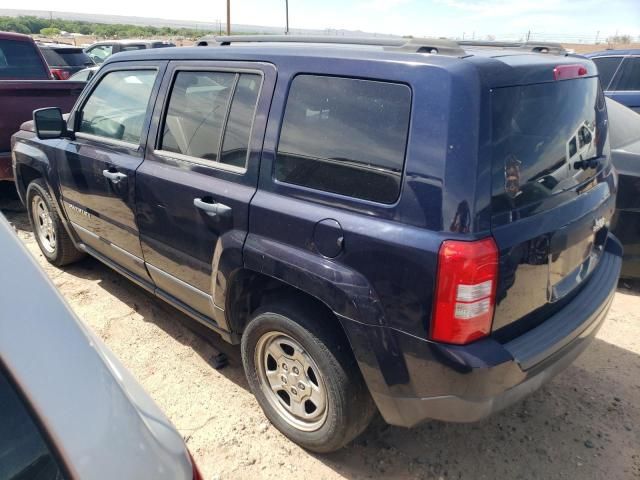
x,y
537,47
416,45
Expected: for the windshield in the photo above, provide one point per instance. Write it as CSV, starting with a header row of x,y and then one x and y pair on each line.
x,y
543,134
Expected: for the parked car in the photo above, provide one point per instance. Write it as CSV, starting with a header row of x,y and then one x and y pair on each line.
x,y
69,409
26,84
619,72
64,60
624,125
100,51
378,228
84,75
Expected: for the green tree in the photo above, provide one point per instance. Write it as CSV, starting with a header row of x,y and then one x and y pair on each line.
x,y
12,25
49,32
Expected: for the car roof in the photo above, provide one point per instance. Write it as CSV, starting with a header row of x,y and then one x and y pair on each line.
x,y
498,66
126,41
58,46
15,36
608,53
103,425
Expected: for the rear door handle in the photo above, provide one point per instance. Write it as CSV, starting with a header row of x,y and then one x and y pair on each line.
x,y
114,177
211,209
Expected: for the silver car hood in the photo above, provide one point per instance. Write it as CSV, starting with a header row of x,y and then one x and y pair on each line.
x,y
102,422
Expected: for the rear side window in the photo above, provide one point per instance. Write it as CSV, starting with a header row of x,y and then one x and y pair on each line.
x,y
629,76
63,57
129,48
100,53
23,450
21,60
117,107
210,116
345,136
607,67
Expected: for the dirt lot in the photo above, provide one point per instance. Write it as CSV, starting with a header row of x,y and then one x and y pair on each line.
x,y
584,424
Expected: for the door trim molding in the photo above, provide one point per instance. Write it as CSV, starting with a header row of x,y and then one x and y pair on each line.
x,y
107,140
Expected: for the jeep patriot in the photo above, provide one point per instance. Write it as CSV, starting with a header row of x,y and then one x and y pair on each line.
x,y
409,228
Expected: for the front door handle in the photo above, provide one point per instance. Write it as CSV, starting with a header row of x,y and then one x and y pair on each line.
x,y
114,177
211,209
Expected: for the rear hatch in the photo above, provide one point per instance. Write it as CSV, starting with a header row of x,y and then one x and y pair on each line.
x,y
69,59
551,195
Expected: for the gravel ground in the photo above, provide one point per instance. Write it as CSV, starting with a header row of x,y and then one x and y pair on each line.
x,y
584,424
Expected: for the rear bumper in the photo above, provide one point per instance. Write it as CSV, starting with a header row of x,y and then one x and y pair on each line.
x,y
468,383
6,170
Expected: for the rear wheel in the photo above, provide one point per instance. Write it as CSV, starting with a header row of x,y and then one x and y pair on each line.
x,y
305,378
54,241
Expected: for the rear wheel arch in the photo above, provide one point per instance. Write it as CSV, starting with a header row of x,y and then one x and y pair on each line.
x,y
251,290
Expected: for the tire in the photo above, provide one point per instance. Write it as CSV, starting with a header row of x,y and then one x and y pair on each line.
x,y
325,363
54,241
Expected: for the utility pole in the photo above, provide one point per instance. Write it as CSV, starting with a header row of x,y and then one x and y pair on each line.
x,y
597,35
228,17
286,6
528,35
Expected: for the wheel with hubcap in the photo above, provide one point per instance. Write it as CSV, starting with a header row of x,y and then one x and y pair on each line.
x,y
54,241
43,224
302,372
291,380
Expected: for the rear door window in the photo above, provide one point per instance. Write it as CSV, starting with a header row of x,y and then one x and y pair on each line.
x,y
210,115
629,75
346,136
20,60
240,121
117,107
607,67
24,452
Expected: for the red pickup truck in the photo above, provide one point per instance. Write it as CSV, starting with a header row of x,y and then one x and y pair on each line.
x,y
25,85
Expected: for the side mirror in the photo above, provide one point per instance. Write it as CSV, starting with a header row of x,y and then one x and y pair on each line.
x,y
49,123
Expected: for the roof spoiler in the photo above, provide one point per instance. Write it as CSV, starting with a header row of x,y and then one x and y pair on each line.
x,y
537,47
440,46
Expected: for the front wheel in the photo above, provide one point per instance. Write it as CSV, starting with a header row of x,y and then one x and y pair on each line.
x,y
304,376
54,241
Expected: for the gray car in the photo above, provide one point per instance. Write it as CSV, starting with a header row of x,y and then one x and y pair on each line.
x,y
68,408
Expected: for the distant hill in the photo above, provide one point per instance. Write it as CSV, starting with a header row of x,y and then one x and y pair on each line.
x,y
163,22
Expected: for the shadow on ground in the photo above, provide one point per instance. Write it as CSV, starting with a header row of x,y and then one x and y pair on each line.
x,y
584,424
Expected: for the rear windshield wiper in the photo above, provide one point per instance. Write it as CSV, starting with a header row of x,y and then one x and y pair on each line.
x,y
587,164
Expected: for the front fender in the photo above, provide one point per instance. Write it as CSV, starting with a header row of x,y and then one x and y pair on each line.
x,y
31,155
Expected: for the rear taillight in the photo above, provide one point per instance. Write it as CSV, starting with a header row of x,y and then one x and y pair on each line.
x,y
465,291
60,74
196,473
566,72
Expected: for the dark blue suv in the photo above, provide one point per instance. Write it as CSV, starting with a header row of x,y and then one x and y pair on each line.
x,y
409,228
619,72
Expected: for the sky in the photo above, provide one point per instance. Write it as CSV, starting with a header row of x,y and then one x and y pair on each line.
x,y
545,19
